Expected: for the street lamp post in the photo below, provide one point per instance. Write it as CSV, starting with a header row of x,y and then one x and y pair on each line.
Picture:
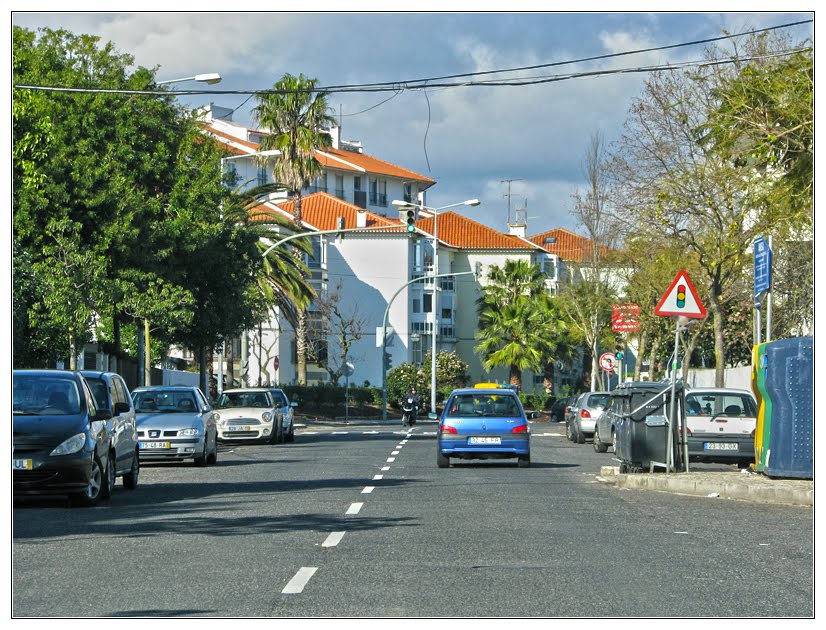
x,y
435,211
211,78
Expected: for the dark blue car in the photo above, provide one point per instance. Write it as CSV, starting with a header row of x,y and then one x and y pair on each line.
x,y
484,424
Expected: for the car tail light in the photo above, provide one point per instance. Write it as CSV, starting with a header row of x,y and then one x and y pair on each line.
x,y
688,431
522,428
446,428
584,414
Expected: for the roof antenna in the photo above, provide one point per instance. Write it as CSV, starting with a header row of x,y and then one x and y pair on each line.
x,y
508,194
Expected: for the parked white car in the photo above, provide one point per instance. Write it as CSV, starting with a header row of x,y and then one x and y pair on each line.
x,y
720,425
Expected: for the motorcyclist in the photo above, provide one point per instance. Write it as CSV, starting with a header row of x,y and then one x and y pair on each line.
x,y
413,397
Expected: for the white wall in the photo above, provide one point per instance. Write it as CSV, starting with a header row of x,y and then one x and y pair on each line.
x,y
735,378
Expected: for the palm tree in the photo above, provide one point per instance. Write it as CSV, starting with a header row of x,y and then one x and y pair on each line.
x,y
294,115
281,278
517,321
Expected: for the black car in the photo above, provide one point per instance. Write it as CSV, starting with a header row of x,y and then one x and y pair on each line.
x,y
61,440
111,393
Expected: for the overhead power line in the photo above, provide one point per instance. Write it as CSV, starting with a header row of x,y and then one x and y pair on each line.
x,y
439,82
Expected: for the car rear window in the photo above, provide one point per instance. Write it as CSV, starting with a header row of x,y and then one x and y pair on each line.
x,y
598,401
489,405
720,403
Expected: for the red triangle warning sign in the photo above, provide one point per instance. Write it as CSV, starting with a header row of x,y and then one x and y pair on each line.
x,y
681,299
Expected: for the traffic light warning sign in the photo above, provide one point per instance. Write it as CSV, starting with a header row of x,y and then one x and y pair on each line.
x,y
681,299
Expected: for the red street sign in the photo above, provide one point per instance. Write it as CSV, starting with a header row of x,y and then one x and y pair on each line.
x,y
625,318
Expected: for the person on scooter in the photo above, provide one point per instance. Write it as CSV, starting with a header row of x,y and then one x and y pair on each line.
x,y
412,398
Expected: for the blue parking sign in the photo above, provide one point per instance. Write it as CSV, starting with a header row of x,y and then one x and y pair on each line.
x,y
762,268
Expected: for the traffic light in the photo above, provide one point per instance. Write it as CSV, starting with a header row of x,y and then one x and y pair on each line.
x,y
387,361
411,220
681,296
619,355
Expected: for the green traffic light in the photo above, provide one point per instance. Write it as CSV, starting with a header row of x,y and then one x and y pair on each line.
x,y
411,227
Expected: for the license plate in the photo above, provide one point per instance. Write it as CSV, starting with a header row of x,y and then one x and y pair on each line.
x,y
720,446
484,440
230,429
21,464
150,445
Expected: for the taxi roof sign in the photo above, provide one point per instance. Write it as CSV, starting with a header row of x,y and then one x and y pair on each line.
x,y
681,299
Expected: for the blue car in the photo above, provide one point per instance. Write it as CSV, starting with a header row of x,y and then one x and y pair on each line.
x,y
484,424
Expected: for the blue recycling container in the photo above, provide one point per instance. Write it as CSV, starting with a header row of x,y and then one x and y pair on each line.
x,y
788,370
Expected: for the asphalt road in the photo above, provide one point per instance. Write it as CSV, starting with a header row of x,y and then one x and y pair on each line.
x,y
359,522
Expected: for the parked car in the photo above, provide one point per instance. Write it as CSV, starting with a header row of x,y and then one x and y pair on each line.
x,y
61,443
606,428
111,393
249,413
560,407
287,410
175,423
582,415
484,424
720,425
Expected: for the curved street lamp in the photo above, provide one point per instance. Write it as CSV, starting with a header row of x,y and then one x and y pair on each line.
x,y
210,78
407,205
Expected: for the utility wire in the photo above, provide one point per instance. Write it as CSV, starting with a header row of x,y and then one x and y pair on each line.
x,y
429,83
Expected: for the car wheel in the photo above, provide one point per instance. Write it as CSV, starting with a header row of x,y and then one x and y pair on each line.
x,y
569,431
524,461
623,468
291,435
442,461
130,479
109,477
579,436
201,460
212,458
93,492
599,446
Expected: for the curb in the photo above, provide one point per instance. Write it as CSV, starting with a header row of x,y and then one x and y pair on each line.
x,y
755,488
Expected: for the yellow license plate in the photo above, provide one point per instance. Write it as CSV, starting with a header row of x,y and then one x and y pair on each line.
x,y
22,464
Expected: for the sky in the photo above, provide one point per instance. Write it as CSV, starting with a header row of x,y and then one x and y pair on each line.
x,y
476,141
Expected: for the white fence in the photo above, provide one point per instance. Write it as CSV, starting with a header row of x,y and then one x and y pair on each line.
x,y
179,377
735,378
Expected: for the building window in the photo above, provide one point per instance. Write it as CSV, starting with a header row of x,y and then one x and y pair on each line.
x,y
408,193
417,305
262,175
340,187
374,191
359,195
428,302
383,193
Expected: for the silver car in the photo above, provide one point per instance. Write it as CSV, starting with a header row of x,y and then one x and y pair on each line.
x,y
582,416
249,414
175,423
287,409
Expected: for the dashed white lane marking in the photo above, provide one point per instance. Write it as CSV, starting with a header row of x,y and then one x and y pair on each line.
x,y
395,453
370,433
333,539
378,477
368,489
385,467
299,581
341,432
354,508
390,460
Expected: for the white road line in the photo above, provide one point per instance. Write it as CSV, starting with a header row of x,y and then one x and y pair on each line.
x,y
395,453
299,581
390,460
354,508
341,432
368,489
369,432
385,467
378,477
333,539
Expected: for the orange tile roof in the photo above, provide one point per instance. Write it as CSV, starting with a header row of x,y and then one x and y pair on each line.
x,y
459,231
321,211
568,246
221,135
361,162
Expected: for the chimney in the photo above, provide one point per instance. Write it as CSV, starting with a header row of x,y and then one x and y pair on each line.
x,y
335,136
361,218
517,229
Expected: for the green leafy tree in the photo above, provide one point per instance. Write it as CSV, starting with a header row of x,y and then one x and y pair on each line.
x,y
295,114
451,372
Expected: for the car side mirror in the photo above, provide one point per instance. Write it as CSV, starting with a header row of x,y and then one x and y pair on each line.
x,y
121,407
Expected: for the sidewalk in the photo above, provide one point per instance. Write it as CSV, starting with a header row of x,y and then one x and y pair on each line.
x,y
739,486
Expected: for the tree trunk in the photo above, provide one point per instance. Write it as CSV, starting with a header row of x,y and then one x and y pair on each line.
x,y
203,373
640,354
719,341
72,352
515,377
301,328
548,378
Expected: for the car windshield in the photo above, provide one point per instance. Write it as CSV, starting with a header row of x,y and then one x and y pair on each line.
x,y
45,395
720,403
483,405
165,401
244,399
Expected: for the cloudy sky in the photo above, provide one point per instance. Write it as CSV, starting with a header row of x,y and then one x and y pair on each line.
x,y
471,139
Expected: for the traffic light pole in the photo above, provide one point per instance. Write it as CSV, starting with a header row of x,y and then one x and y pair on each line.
x,y
384,332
